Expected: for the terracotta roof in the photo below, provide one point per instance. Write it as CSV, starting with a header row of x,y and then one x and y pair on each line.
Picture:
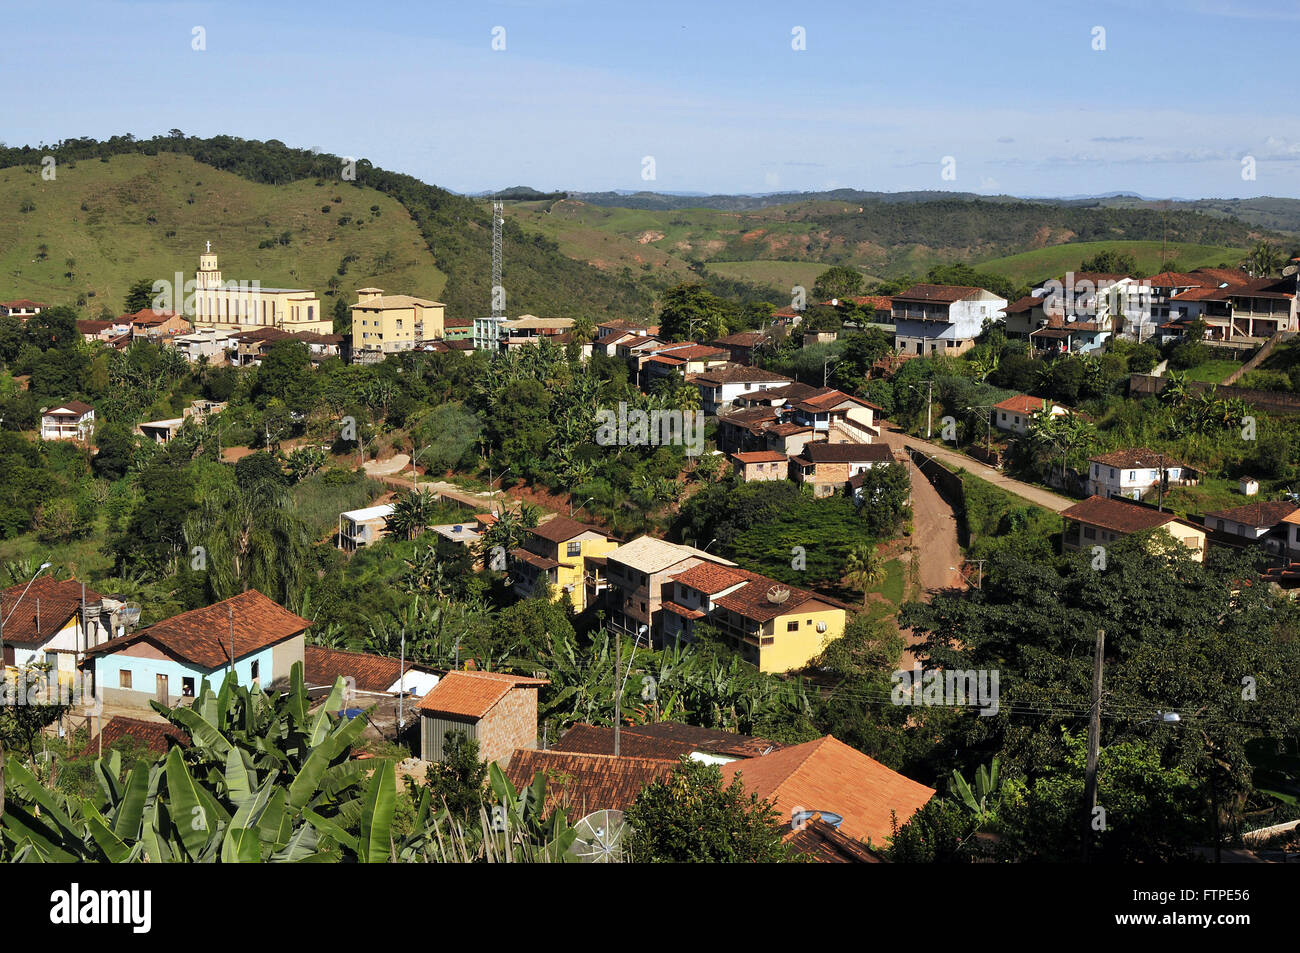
x,y
743,339
944,294
1230,276
1021,404
668,740
561,529
1178,279
370,673
75,406
820,452
1136,459
751,600
879,302
710,578
93,327
696,352
825,844
737,373
203,636
1283,288
148,316
828,775
1027,303
457,322
1116,515
827,398
154,735
682,611
1094,277
760,456
579,784
1208,293
788,429
21,303
670,361
1257,514
534,560
750,417
57,601
473,694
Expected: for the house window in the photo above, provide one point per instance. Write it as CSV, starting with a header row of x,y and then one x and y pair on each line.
x,y
1112,473
792,626
574,549
1132,476
1220,527
124,678
257,670
1089,532
187,687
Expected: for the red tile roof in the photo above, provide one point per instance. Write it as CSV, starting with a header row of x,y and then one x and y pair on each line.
x,y
1115,515
21,303
1178,279
154,735
579,784
1256,514
668,740
698,352
828,775
752,602
1231,276
742,339
76,406
710,578
147,317
1135,458
370,673
1021,404
760,456
1027,303
54,601
561,529
943,294
203,636
820,452
732,374
473,694
826,845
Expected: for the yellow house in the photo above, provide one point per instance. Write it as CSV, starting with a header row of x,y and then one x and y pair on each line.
x,y
776,627
243,305
1099,521
570,557
386,324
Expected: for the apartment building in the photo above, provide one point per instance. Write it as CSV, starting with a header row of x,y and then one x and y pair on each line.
x,y
942,319
390,324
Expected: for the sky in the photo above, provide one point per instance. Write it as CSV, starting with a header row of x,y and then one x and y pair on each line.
x,y
1166,98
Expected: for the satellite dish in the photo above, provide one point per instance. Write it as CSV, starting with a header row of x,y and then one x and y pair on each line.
x,y
1290,270
778,594
600,838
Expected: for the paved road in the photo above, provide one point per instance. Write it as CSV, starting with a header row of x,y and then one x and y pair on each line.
x,y
1026,491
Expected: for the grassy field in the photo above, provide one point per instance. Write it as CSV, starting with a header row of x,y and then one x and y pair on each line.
x,y
1212,372
1212,493
138,216
1058,259
778,274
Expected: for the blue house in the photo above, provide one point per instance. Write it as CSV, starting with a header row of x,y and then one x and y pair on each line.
x,y
169,660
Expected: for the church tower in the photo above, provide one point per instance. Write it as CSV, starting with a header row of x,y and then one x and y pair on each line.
x,y
209,275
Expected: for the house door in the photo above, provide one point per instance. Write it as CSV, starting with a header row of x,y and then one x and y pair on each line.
x,y
161,693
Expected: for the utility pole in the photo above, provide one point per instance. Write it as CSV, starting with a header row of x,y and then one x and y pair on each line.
x,y
231,610
618,694
401,684
1094,743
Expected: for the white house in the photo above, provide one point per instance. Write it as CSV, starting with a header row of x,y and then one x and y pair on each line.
x,y
1014,413
365,527
943,319
1254,522
1131,473
69,421
52,621
720,386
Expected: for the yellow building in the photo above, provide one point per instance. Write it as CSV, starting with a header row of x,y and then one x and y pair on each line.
x,y
245,305
388,324
775,627
569,555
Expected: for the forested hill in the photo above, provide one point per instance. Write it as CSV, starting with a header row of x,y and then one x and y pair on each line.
x,y
538,278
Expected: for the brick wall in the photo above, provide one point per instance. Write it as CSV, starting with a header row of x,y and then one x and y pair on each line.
x,y
511,724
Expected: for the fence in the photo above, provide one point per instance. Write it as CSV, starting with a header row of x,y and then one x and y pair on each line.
x,y
1276,402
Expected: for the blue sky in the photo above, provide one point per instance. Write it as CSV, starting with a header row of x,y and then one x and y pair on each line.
x,y
1014,92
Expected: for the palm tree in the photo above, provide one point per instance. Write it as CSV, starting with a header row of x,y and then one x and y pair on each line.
x,y
251,539
410,516
863,570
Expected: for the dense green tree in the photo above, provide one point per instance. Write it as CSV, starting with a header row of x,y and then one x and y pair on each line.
x,y
692,817
257,467
839,281
689,312
459,780
116,448
139,296
885,497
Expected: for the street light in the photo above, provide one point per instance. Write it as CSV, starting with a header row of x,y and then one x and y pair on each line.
x,y
929,406
415,474
572,508
979,579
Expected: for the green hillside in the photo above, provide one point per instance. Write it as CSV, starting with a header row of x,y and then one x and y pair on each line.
x,y
1046,262
885,238
260,190
136,216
